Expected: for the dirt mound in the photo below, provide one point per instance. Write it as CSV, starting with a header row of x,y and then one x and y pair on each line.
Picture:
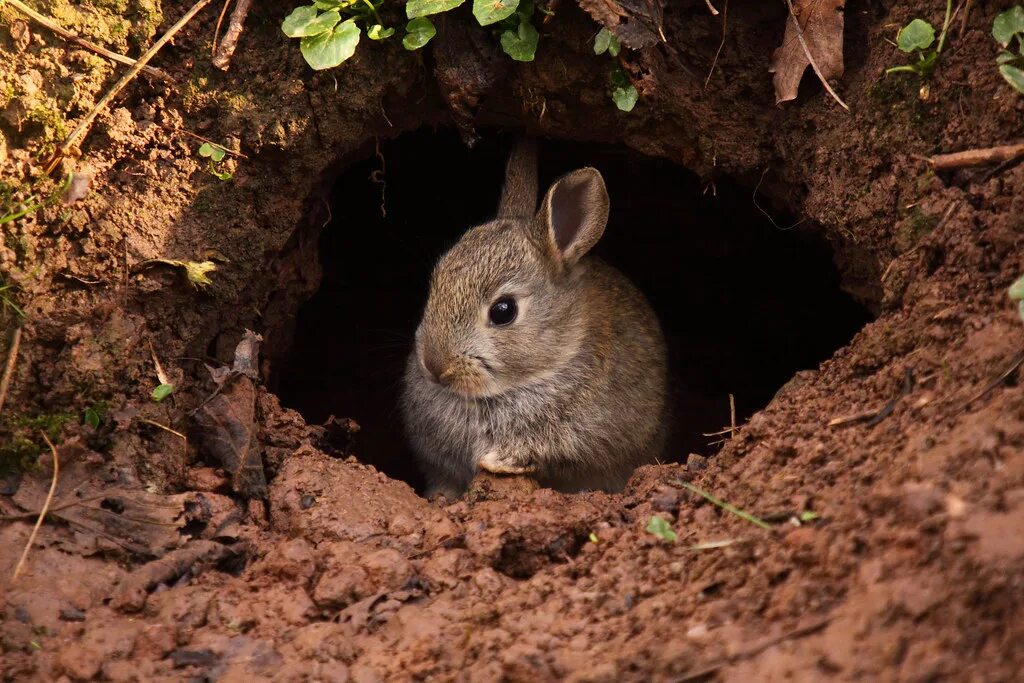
x,y
887,484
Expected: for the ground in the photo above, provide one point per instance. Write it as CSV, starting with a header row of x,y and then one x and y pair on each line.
x,y
153,565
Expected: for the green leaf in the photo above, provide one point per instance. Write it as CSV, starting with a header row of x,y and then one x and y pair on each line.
x,y
304,21
809,516
91,417
220,175
418,33
661,529
424,8
593,537
521,45
333,4
1014,76
162,391
378,32
1016,291
489,12
214,152
624,95
331,48
1008,24
917,35
607,42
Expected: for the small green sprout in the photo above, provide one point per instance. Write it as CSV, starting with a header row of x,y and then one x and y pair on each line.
x,y
918,37
92,416
808,516
215,153
662,529
162,391
624,94
1016,293
592,537
728,507
1007,27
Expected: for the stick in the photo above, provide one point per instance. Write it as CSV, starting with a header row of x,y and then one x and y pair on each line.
x,y
977,157
732,416
12,358
78,132
87,44
810,57
222,60
42,513
166,429
216,29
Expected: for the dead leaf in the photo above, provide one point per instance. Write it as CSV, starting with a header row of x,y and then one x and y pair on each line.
x,y
130,595
225,425
92,500
637,23
822,24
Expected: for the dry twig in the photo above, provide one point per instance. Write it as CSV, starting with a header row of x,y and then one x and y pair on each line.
x,y
83,126
172,129
810,57
12,358
222,57
42,512
977,157
87,44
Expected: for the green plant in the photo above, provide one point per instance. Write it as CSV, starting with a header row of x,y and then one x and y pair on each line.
x,y
1007,27
624,93
918,37
728,507
215,153
162,391
1016,293
662,529
7,300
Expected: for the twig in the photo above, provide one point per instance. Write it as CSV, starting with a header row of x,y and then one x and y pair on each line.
x,y
963,19
714,62
728,507
977,157
222,58
172,129
810,57
88,45
12,358
216,29
1014,364
166,429
83,126
732,416
42,513
711,8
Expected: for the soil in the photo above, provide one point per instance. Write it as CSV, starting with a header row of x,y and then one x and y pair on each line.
x,y
155,565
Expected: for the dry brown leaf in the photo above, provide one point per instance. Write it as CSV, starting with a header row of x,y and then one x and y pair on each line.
x,y
637,23
822,24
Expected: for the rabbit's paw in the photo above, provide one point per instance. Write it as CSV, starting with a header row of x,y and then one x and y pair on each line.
x,y
496,463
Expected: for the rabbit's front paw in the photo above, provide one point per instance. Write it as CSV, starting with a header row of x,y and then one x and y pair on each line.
x,y
497,463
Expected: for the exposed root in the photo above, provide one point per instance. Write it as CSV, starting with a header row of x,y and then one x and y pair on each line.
x,y
42,512
12,358
222,57
977,157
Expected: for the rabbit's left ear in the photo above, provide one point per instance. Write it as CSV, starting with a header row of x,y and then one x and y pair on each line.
x,y
572,216
519,195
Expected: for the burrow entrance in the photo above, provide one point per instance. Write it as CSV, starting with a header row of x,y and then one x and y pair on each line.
x,y
745,299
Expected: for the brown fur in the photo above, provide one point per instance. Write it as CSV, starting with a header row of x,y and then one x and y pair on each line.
x,y
574,389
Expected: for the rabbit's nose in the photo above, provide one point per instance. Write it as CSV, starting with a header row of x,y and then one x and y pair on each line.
x,y
434,366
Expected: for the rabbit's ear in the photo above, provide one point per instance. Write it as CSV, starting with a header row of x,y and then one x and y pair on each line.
x,y
519,196
573,215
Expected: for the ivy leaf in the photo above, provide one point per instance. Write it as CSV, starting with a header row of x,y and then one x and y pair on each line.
x,y
624,94
332,47
304,21
607,42
423,8
489,12
1007,25
1014,76
418,33
521,45
917,35
162,391
214,152
378,32
662,529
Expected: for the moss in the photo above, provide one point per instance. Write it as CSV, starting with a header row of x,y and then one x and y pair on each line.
x,y
18,454
912,228
54,127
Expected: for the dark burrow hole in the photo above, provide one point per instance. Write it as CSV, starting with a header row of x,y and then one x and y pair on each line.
x,y
743,303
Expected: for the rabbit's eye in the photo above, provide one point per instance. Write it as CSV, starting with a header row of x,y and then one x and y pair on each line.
x,y
503,311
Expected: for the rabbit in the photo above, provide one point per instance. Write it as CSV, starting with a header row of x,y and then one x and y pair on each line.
x,y
533,356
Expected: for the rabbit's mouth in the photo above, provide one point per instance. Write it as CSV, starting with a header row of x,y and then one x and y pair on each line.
x,y
468,376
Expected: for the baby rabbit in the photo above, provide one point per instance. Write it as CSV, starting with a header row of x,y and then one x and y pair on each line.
x,y
533,357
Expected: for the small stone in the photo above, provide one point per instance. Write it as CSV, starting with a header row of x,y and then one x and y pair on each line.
x,y
307,501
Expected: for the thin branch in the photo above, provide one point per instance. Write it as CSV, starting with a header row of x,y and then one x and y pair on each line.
x,y
216,29
42,513
810,57
977,157
87,44
166,429
222,58
83,126
12,358
714,62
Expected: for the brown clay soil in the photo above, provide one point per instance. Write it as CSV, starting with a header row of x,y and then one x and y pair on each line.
x,y
150,567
